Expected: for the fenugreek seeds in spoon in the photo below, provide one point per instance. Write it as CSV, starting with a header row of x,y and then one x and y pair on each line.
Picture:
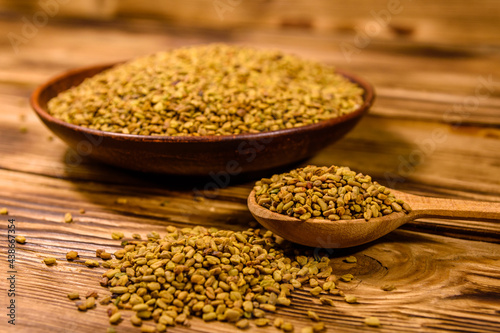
x,y
334,193
208,90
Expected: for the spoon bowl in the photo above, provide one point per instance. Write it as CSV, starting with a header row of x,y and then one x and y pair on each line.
x,y
347,233
194,155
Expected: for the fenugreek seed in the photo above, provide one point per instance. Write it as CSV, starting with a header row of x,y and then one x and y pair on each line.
x,y
91,263
316,291
105,300
232,315
74,295
307,329
140,307
209,316
351,259
268,307
351,299
372,321
68,218
161,327
278,322
388,287
326,301
90,303
117,235
148,329
20,239
136,236
4,211
261,322
81,305
287,327
71,255
318,327
105,256
118,290
242,323
283,301
312,315
49,261
144,314
347,277
111,330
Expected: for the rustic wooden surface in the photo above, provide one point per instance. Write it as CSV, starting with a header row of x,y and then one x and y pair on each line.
x,y
427,76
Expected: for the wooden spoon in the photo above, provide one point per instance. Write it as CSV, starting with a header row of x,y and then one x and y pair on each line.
x,y
347,233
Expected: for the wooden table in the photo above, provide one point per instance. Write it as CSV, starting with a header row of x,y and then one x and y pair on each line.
x,y
434,130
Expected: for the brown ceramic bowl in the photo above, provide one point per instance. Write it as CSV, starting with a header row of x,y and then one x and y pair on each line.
x,y
233,154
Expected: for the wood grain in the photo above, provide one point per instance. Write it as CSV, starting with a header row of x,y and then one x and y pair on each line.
x,y
447,276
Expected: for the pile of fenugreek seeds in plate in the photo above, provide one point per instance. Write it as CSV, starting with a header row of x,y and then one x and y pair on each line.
x,y
334,193
208,90
240,277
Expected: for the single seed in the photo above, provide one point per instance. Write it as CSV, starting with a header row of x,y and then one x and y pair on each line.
x,y
71,255
74,295
351,299
148,329
91,263
115,318
90,303
117,235
313,315
326,301
49,261
372,321
287,327
20,239
351,259
261,322
242,324
318,327
68,217
4,211
388,287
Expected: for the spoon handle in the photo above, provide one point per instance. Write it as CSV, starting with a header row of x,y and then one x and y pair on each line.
x,y
457,209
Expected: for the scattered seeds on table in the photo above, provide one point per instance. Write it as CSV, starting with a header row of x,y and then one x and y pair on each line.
x,y
20,239
68,218
332,193
49,261
372,321
223,275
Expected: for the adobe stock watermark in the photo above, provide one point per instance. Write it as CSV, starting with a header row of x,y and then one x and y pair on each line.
x,y
456,115
224,6
222,179
83,148
364,35
32,25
